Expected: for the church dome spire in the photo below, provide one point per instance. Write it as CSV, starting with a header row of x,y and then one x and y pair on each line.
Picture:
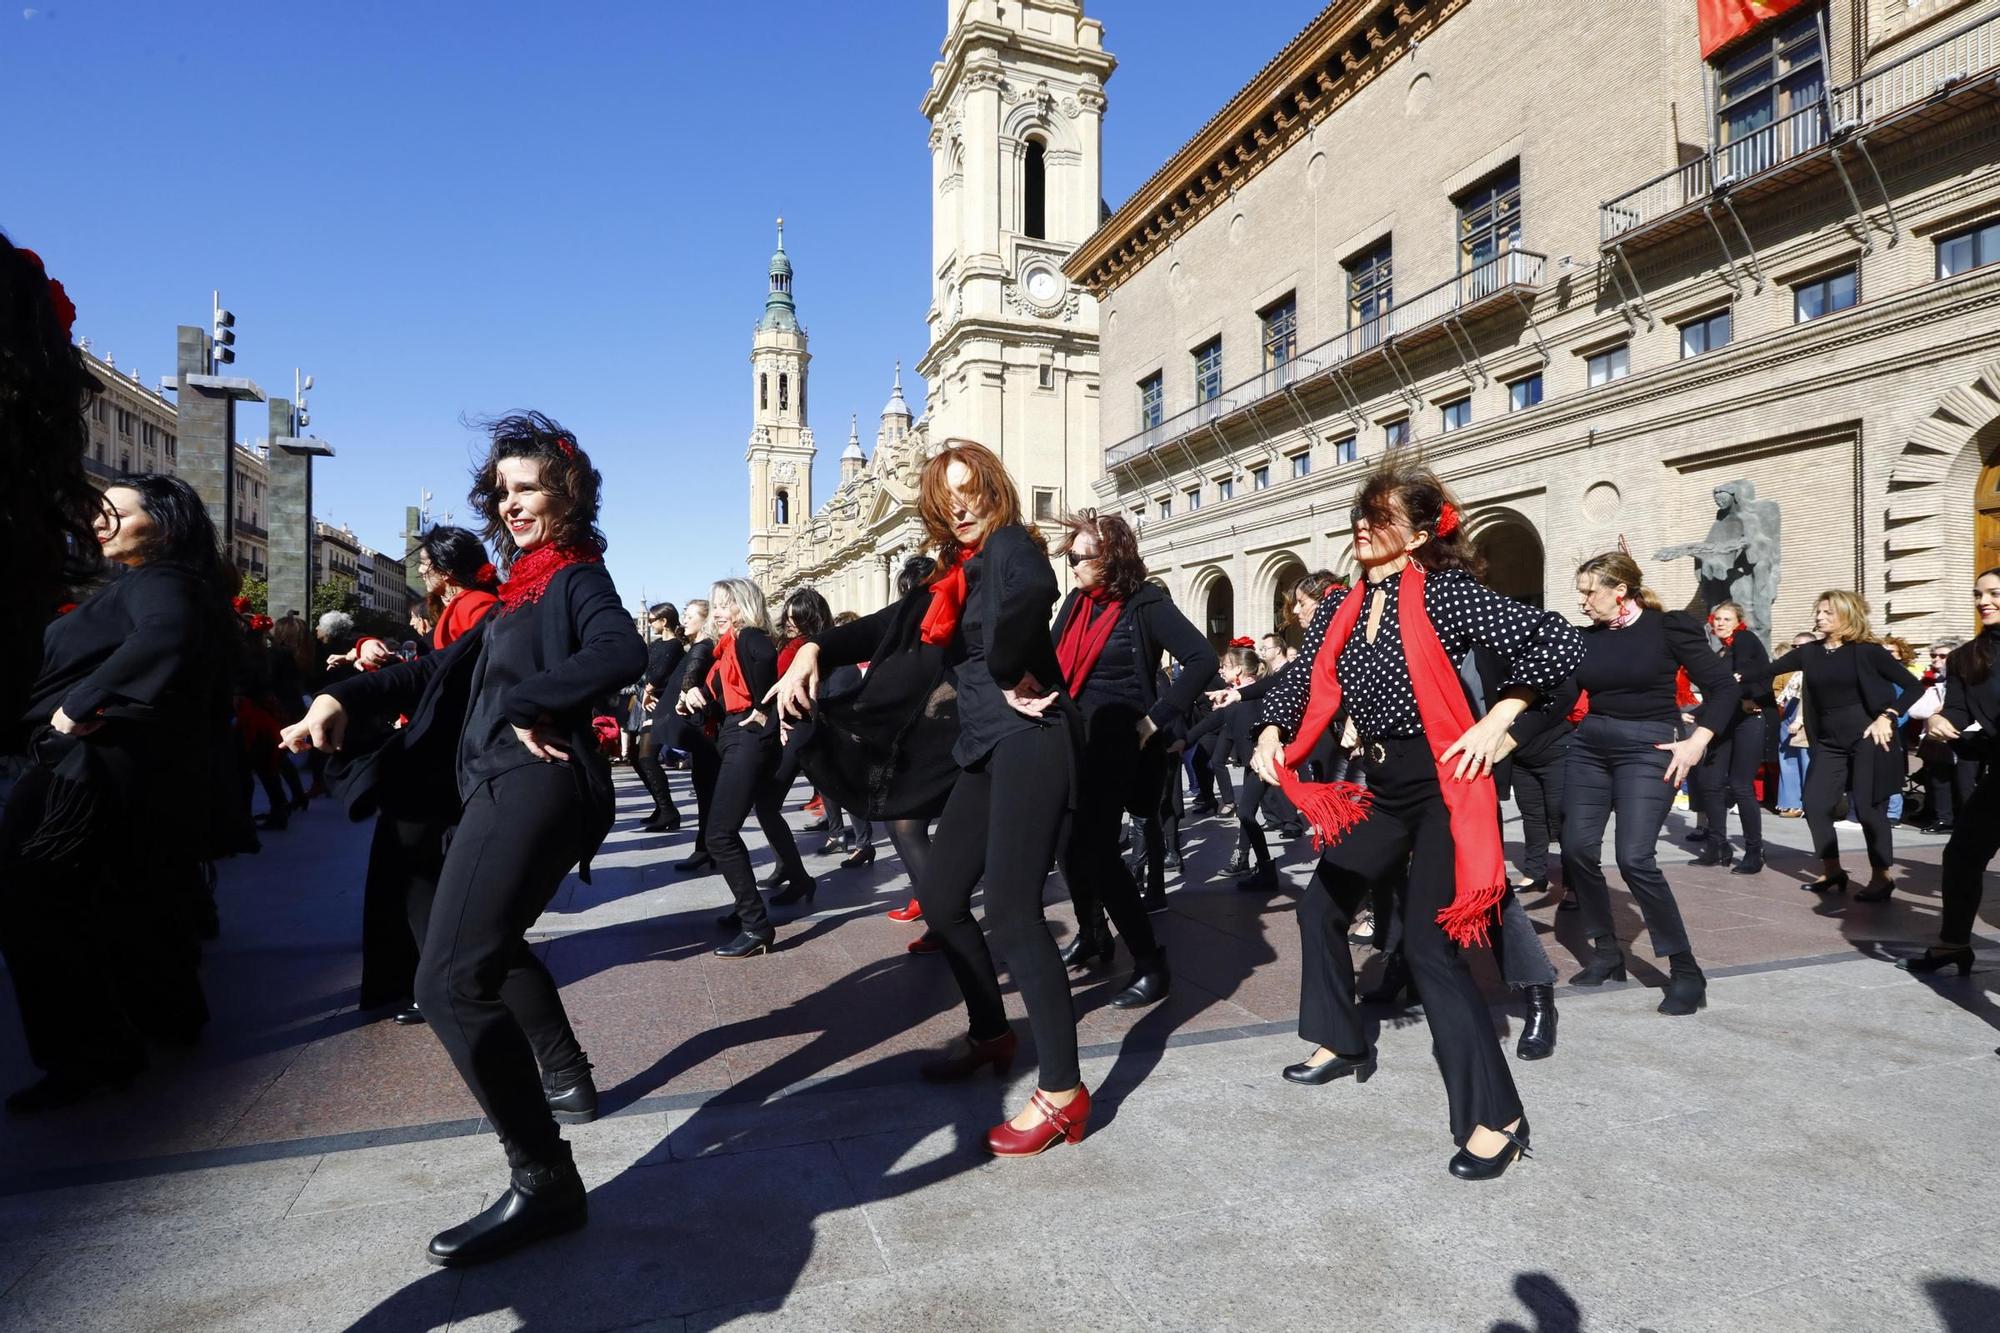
x,y
779,312
897,406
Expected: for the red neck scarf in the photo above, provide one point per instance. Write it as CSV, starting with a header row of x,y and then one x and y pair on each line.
x,y
1084,635
1474,806
948,595
726,676
529,577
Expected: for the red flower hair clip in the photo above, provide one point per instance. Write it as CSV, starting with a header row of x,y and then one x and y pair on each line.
x,y
1243,642
485,575
1447,520
239,604
259,623
59,298
567,445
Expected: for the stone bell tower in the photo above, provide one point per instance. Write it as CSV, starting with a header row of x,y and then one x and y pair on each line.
x,y
781,448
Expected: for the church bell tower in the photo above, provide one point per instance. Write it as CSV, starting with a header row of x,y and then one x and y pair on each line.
x,y
781,443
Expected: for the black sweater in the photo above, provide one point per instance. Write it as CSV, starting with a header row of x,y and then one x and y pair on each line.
x,y
1128,668
145,642
1968,702
1630,673
1855,677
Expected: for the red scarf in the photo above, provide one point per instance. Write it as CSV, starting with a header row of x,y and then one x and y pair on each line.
x,y
725,678
1091,621
948,595
529,577
1333,808
460,614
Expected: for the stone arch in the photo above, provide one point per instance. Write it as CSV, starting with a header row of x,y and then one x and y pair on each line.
x,y
1212,605
1271,587
1516,559
1929,522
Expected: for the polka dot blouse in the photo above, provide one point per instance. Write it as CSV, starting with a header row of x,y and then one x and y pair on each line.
x,y
1540,650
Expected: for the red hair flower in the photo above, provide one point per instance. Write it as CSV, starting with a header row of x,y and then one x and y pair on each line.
x,y
259,623
65,608
239,604
567,445
1243,642
485,575
1447,520
59,298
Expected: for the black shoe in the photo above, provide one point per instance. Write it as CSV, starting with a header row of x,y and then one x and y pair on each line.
x,y
1292,832
1396,979
1936,960
1467,1167
1361,1066
1834,883
407,1016
820,825
1751,864
1695,838
1607,963
540,1201
1715,852
1878,891
701,863
1570,903
1239,863
1261,880
1149,985
1538,1029
1533,886
800,887
775,879
861,856
1687,988
833,847
746,945
300,802
1201,809
1087,948
662,821
1227,809
67,1087
574,1102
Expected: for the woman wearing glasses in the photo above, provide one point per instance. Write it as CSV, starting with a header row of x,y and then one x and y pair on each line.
x,y
1389,653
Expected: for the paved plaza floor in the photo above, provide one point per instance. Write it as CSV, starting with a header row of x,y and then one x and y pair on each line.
x,y
1811,1152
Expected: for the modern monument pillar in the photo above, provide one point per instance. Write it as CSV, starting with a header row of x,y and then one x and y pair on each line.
x,y
288,510
206,452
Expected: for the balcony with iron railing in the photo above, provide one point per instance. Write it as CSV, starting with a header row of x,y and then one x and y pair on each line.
x,y
1508,277
1880,107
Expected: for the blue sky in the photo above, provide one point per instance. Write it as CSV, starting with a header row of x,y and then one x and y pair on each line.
x,y
445,210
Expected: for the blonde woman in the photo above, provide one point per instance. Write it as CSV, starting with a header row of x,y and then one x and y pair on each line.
x,y
1855,690
748,748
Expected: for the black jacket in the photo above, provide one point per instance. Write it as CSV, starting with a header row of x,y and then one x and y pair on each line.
x,y
1965,704
1129,665
664,658
756,657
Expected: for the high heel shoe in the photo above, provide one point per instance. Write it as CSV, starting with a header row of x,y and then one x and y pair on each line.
x,y
1149,985
746,945
914,911
800,887
1752,862
1715,852
1606,964
1687,988
1340,1066
861,856
998,1052
1930,960
1089,948
1468,1167
1396,979
1059,1124
1834,883
1878,891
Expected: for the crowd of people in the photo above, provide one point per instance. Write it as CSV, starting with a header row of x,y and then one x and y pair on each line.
x,y
997,728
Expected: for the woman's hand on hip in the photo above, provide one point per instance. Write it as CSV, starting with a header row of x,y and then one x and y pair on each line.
x,y
1025,697
323,727
69,726
542,742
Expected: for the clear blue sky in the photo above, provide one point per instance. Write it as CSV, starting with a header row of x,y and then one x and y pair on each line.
x,y
453,209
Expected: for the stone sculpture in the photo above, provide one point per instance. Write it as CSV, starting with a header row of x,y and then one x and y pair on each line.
x,y
1740,559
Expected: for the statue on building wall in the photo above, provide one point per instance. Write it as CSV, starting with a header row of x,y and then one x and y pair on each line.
x,y
1739,561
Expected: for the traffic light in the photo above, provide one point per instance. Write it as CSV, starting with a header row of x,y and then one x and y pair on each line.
x,y
225,337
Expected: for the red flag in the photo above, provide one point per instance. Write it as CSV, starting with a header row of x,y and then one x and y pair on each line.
x,y
1723,21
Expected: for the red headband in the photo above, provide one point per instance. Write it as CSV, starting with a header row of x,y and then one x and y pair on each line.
x,y
1447,520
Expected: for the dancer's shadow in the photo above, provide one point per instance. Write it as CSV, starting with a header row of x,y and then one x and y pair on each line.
x,y
1964,1305
1907,924
1551,1306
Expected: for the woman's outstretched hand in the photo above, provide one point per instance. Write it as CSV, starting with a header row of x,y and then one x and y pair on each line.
x,y
1682,757
1026,697
1484,744
323,727
798,689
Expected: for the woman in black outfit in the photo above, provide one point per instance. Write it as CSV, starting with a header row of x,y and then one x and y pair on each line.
x,y
1388,654
1729,771
695,729
1628,755
805,616
111,815
664,656
1016,752
1109,636
911,837
748,751
1971,695
1855,690
517,690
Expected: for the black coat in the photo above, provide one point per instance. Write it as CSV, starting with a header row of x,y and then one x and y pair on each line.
x,y
1967,703
1149,624
664,660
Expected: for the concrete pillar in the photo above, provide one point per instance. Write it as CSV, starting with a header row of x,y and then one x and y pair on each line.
x,y
206,431
289,513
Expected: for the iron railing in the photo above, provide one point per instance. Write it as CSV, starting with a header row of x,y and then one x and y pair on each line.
x,y
1930,71
1503,273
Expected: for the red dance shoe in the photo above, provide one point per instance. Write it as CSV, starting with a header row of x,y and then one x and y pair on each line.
x,y
816,806
914,912
1058,1123
924,943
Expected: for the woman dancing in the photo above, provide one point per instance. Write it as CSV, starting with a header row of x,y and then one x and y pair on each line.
x,y
987,608
1729,771
515,693
1111,632
1432,822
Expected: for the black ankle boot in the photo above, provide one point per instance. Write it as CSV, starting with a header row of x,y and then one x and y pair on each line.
x,y
1715,852
541,1200
1752,862
1607,963
1087,948
572,1097
1687,988
1149,985
1396,979
1538,1029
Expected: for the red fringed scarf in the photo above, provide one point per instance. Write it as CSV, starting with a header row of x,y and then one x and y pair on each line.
x,y
1333,808
948,595
725,678
1083,637
530,575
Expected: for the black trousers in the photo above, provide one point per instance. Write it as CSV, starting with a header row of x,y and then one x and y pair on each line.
x,y
1949,780
1406,839
1975,838
1200,773
486,994
1003,823
1729,777
1218,764
703,765
646,761
746,780
1099,880
1616,764
1862,771
404,861
1538,793
1250,833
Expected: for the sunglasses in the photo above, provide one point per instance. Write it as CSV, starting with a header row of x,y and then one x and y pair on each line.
x,y
1075,559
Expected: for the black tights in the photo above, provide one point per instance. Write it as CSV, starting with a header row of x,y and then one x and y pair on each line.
x,y
1858,769
1974,840
1002,823
1099,879
1729,777
746,780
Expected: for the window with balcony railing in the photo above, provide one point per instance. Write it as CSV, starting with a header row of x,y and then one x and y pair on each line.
x,y
1371,290
1707,333
1489,219
1770,93
1208,370
1823,296
1963,251
1281,331
1152,401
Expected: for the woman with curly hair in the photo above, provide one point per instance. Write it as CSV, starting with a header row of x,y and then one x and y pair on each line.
x,y
508,708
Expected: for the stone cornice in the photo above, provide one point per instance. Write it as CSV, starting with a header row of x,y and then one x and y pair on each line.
x,y
970,41
1339,53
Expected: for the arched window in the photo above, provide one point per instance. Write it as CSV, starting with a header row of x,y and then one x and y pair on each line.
x,y
1035,192
784,392
781,509
763,393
